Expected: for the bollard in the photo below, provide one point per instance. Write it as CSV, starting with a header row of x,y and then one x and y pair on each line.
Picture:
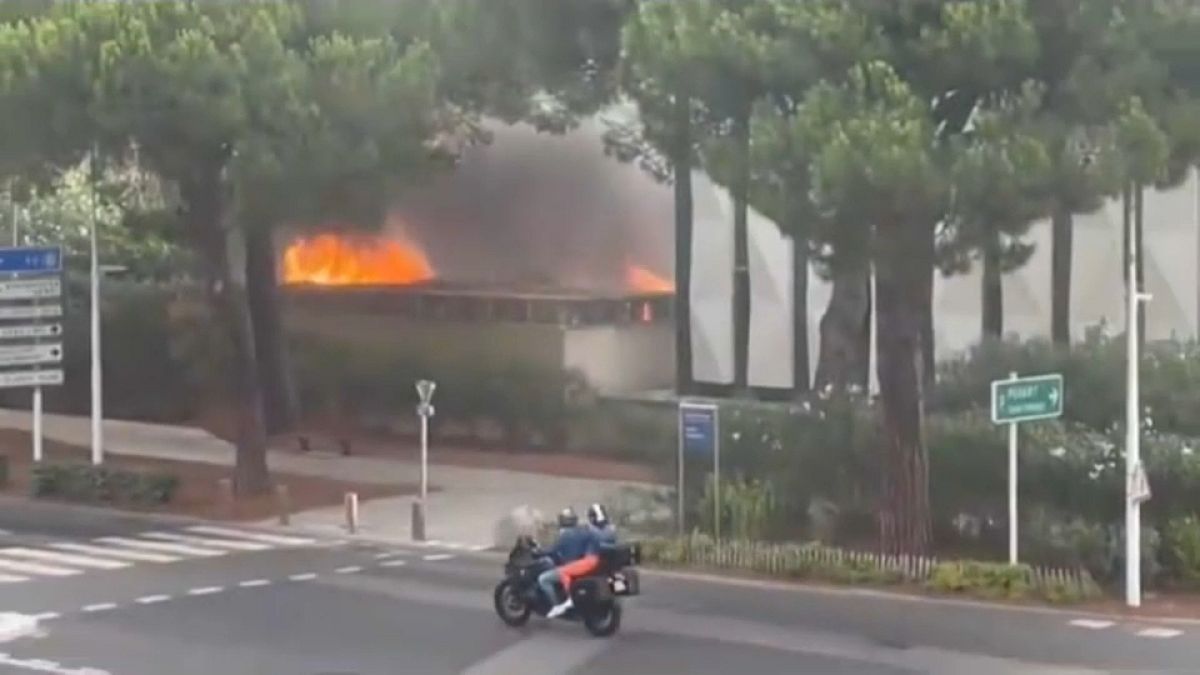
x,y
225,496
352,512
418,520
283,502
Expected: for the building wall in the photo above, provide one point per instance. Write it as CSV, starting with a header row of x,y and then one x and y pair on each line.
x,y
622,359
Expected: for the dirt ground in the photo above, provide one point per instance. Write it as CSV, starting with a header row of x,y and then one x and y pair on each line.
x,y
198,493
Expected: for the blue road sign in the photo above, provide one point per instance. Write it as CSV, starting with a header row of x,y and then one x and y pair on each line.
x,y
698,427
31,260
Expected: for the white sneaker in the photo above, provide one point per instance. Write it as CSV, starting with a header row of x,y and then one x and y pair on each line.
x,y
559,610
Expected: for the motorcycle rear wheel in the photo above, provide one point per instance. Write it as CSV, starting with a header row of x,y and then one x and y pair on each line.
x,y
510,606
604,622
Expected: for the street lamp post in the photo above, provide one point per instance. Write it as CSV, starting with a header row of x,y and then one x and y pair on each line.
x,y
97,373
425,389
1137,489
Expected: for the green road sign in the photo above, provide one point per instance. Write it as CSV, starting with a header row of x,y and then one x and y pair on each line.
x,y
1027,398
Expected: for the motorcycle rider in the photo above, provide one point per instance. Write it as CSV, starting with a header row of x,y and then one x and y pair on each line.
x,y
601,525
602,533
574,542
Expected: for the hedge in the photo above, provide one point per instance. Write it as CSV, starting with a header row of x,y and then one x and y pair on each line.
x,y
103,485
816,562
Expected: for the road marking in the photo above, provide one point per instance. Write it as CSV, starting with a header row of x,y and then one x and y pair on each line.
x,y
303,577
393,563
276,539
123,554
437,557
99,607
207,542
5,533
65,558
1092,624
1159,633
152,599
12,579
352,569
255,583
551,653
385,556
480,548
180,549
47,616
51,667
36,568
207,590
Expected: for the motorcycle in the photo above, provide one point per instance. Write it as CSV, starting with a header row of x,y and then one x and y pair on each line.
x,y
596,597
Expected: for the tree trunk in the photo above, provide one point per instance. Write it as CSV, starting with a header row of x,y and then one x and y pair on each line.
x,y
741,254
905,521
1139,213
992,291
845,332
1062,249
801,374
224,248
279,396
682,168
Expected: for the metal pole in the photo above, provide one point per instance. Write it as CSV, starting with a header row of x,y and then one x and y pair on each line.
x,y
12,201
1133,516
97,374
37,424
679,479
716,474
424,457
1012,488
873,336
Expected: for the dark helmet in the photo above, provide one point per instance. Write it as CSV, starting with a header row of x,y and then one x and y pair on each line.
x,y
567,518
597,515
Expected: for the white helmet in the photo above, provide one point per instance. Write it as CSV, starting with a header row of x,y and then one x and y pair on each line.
x,y
597,516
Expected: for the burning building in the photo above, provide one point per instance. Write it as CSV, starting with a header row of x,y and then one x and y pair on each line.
x,y
530,252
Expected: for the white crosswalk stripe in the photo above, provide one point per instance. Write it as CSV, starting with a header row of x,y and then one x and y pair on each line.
x,y
278,540
19,564
180,549
36,569
62,558
118,553
208,541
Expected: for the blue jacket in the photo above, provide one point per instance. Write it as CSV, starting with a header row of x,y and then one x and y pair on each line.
x,y
605,536
574,543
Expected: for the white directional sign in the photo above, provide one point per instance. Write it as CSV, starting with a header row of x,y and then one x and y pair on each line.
x,y
30,331
30,378
25,355
31,312
28,289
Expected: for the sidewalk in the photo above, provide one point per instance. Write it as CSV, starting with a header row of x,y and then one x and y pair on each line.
x,y
466,506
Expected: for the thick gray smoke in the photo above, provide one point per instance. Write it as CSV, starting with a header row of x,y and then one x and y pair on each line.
x,y
535,209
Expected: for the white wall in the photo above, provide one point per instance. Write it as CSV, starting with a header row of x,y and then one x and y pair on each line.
x,y
622,359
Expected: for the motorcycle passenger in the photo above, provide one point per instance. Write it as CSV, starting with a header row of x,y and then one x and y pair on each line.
x,y
573,543
599,521
599,532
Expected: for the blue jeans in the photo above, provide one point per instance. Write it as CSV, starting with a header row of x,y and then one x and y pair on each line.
x,y
547,581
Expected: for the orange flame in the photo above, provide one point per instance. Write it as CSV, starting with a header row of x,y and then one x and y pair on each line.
x,y
642,280
332,260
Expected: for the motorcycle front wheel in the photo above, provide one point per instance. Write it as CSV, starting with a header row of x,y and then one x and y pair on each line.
x,y
510,606
603,621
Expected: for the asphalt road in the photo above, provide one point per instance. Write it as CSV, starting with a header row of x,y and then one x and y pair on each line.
x,y
256,604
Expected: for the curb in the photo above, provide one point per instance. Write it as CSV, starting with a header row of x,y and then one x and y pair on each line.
x,y
895,596
14,626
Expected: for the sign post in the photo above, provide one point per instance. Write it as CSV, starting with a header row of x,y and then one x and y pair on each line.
x,y
31,292
699,435
1017,400
425,389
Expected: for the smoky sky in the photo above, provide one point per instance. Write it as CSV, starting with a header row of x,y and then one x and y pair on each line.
x,y
534,209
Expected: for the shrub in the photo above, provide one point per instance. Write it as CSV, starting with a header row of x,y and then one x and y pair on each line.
x,y
1181,550
993,580
747,508
99,484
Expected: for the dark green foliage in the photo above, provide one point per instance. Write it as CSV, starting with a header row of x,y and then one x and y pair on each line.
x,y
103,485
